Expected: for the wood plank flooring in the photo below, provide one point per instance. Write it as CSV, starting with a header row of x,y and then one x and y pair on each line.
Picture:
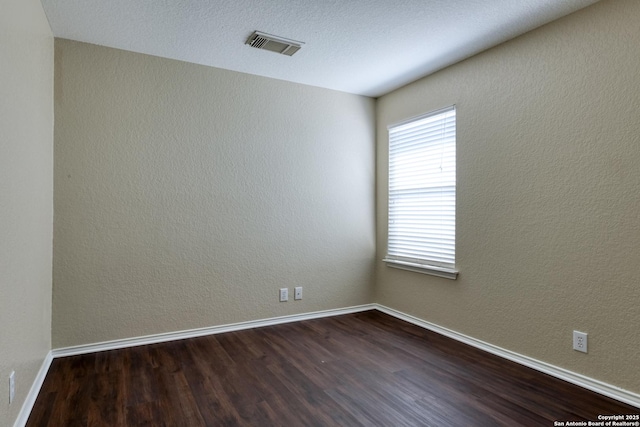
x,y
364,369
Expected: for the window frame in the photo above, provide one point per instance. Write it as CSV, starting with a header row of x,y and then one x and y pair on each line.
x,y
424,265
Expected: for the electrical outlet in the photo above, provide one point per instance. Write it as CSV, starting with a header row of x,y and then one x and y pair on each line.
x,y
284,294
298,293
580,341
12,386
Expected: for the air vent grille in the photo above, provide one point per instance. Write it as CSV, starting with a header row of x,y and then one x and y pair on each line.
x,y
274,43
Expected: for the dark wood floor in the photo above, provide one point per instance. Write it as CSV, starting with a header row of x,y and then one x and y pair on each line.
x,y
359,369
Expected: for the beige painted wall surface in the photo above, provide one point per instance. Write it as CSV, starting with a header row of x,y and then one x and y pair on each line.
x,y
548,206
26,197
186,196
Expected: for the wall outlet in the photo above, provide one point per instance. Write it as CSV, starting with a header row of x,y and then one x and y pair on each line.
x,y
284,294
298,293
12,386
580,341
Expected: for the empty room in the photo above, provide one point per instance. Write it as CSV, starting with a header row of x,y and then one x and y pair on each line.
x,y
414,213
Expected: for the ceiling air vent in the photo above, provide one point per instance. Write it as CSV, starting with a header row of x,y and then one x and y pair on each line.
x,y
273,43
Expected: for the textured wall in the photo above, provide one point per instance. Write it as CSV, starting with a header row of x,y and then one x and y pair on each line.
x,y
186,196
548,208
26,196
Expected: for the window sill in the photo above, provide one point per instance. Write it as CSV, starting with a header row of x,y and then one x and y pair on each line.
x,y
447,273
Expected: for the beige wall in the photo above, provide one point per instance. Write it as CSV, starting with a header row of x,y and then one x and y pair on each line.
x,y
26,197
186,196
548,207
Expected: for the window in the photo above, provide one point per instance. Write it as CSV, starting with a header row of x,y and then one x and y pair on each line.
x,y
422,194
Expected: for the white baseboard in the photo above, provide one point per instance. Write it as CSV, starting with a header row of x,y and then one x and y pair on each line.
x,y
600,387
27,406
192,333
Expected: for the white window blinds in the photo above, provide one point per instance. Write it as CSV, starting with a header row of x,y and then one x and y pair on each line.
x,y
422,190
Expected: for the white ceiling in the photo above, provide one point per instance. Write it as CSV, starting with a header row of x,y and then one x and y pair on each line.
x,y
366,47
